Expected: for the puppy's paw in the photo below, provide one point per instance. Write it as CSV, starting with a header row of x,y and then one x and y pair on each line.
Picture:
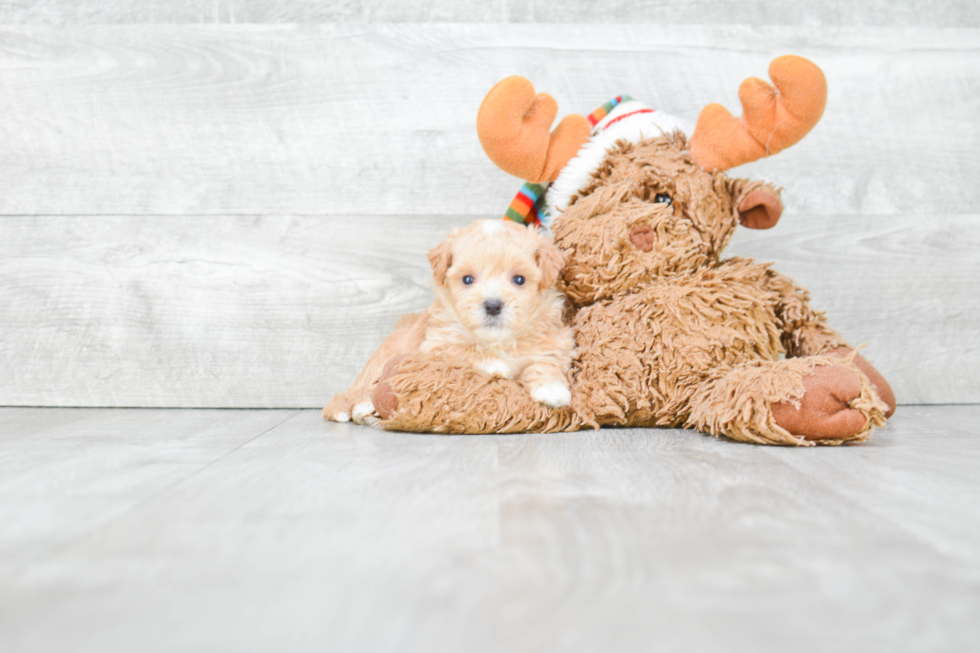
x,y
338,410
555,395
496,367
364,413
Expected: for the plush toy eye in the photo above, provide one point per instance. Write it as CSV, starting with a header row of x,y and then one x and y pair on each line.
x,y
662,198
518,280
467,280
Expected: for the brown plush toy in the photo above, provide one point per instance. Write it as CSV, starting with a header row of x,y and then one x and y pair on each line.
x,y
668,333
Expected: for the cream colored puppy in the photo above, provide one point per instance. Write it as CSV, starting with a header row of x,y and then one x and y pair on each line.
x,y
495,306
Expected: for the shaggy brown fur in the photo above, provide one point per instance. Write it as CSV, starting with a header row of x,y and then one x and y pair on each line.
x,y
668,333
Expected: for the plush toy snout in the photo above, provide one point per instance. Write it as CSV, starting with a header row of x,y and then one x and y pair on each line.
x,y
642,235
642,238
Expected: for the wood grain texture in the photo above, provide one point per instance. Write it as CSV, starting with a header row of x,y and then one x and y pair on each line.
x,y
378,119
98,472
197,311
306,535
908,13
283,311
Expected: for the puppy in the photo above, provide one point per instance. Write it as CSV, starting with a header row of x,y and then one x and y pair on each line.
x,y
495,306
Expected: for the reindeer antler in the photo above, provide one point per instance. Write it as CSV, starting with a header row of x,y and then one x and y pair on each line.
x,y
513,126
772,118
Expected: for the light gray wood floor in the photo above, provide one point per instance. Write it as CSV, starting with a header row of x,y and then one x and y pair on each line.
x,y
211,530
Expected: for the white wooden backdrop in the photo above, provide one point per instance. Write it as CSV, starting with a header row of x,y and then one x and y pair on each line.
x,y
217,213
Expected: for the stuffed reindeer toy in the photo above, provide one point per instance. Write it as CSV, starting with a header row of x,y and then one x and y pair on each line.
x,y
667,332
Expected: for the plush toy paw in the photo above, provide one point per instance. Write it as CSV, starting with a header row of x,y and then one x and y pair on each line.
x,y
824,412
555,395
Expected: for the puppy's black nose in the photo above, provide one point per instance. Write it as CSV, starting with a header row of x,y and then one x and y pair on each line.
x,y
493,306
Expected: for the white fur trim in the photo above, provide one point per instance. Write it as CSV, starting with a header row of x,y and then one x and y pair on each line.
x,y
577,172
618,111
555,395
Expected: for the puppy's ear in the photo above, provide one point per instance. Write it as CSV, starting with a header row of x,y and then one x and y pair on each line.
x,y
441,258
550,261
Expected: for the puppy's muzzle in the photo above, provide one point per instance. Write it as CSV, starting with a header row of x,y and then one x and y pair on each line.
x,y
493,307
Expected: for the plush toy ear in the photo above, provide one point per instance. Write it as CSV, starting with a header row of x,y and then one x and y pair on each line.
x,y
760,209
550,261
441,258
757,203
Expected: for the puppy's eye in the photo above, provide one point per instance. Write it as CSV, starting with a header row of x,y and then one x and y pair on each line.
x,y
468,280
518,280
662,198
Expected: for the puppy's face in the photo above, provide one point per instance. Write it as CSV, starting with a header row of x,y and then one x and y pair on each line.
x,y
492,273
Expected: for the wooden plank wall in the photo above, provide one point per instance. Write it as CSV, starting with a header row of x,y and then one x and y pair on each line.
x,y
233,214
831,13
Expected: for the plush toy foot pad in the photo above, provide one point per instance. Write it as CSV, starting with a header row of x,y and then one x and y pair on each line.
x,y
874,376
824,412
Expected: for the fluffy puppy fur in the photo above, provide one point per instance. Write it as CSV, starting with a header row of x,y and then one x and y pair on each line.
x,y
495,307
